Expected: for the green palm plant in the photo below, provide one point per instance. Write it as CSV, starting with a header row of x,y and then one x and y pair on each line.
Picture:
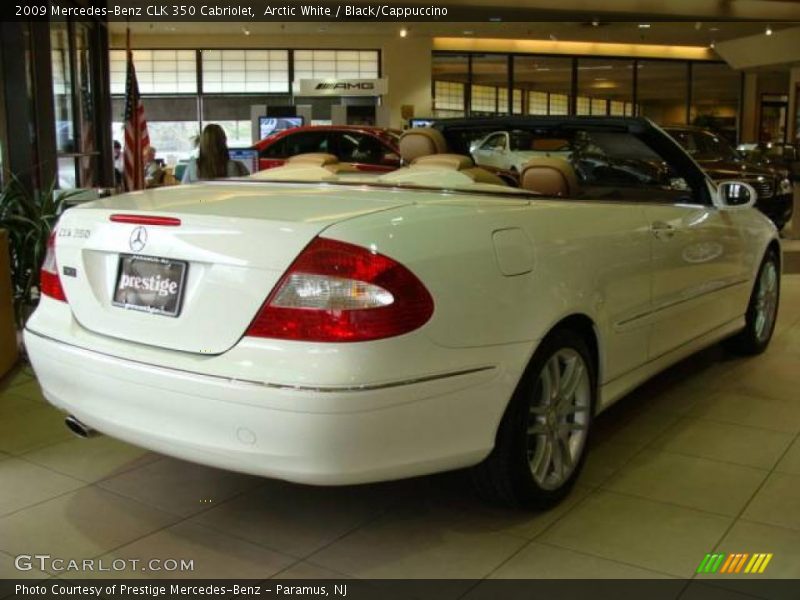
x,y
29,218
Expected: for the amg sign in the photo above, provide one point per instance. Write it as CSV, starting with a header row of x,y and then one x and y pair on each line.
x,y
346,85
341,87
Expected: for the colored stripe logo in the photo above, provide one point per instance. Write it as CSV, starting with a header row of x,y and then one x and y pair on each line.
x,y
736,562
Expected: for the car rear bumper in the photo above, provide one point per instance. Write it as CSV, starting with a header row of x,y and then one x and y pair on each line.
x,y
376,433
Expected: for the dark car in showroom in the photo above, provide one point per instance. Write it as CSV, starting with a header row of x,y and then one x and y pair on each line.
x,y
779,155
721,161
372,149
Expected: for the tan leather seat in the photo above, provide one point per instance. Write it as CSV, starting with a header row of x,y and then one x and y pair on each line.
x,y
456,162
550,177
421,141
460,163
320,159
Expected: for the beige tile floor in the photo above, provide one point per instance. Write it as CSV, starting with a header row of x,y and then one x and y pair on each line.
x,y
704,458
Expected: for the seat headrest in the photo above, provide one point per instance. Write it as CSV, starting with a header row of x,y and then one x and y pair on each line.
x,y
421,141
319,159
445,161
549,177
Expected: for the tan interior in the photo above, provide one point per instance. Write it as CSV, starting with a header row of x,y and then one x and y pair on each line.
x,y
550,177
328,162
460,163
421,141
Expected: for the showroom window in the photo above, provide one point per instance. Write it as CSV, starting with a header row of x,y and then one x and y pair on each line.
x,y
489,84
604,80
241,71
172,122
715,98
74,105
662,88
517,99
558,104
157,71
329,64
450,73
547,82
483,99
502,100
448,98
563,85
537,103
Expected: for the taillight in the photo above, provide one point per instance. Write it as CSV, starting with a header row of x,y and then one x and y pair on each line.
x,y
49,282
339,292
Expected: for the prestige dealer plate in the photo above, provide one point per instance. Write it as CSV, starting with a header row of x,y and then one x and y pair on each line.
x,y
150,284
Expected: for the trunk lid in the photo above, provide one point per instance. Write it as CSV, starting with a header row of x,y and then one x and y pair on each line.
x,y
236,240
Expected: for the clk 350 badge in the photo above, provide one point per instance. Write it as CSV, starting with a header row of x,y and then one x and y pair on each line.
x,y
81,234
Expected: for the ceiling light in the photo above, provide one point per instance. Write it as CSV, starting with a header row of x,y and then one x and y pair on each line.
x,y
468,32
712,45
768,30
644,25
403,32
713,28
595,23
245,31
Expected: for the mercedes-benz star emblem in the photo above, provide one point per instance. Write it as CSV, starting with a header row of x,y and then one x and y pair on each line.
x,y
138,239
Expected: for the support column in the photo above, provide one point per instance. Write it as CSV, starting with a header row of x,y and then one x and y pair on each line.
x,y
750,108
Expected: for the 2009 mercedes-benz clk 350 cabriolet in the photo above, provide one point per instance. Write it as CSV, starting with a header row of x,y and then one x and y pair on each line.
x,y
319,325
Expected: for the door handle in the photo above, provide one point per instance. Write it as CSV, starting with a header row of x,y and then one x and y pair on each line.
x,y
662,230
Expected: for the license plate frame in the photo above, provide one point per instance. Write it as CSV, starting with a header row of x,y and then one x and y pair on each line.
x,y
121,296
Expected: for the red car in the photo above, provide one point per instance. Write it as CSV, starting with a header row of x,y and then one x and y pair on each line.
x,y
367,148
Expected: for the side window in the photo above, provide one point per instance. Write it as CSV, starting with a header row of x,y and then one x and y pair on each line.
x,y
366,149
619,166
275,150
305,142
495,142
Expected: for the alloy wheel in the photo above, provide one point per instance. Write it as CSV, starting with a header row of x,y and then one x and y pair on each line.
x,y
559,417
766,301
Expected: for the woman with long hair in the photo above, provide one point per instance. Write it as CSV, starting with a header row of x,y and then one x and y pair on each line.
x,y
213,159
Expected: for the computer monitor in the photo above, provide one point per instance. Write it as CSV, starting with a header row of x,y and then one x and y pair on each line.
x,y
421,122
247,156
269,125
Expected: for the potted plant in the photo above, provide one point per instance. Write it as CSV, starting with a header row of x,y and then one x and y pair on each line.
x,y
29,217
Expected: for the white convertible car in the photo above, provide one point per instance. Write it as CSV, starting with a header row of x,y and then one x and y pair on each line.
x,y
511,150
320,326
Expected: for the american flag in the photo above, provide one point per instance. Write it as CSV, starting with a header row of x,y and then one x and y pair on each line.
x,y
136,136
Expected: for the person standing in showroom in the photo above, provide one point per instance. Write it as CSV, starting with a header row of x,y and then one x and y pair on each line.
x,y
213,159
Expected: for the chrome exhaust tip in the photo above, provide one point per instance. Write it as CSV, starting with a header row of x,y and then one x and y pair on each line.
x,y
78,428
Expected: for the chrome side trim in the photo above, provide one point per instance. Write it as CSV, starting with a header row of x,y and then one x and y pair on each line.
x,y
367,387
638,318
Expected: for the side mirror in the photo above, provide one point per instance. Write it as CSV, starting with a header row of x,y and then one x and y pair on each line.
x,y
732,195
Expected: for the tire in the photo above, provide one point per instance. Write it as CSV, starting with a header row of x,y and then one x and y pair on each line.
x,y
521,471
762,310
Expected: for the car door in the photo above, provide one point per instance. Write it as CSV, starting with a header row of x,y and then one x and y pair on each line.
x,y
365,152
700,272
697,253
